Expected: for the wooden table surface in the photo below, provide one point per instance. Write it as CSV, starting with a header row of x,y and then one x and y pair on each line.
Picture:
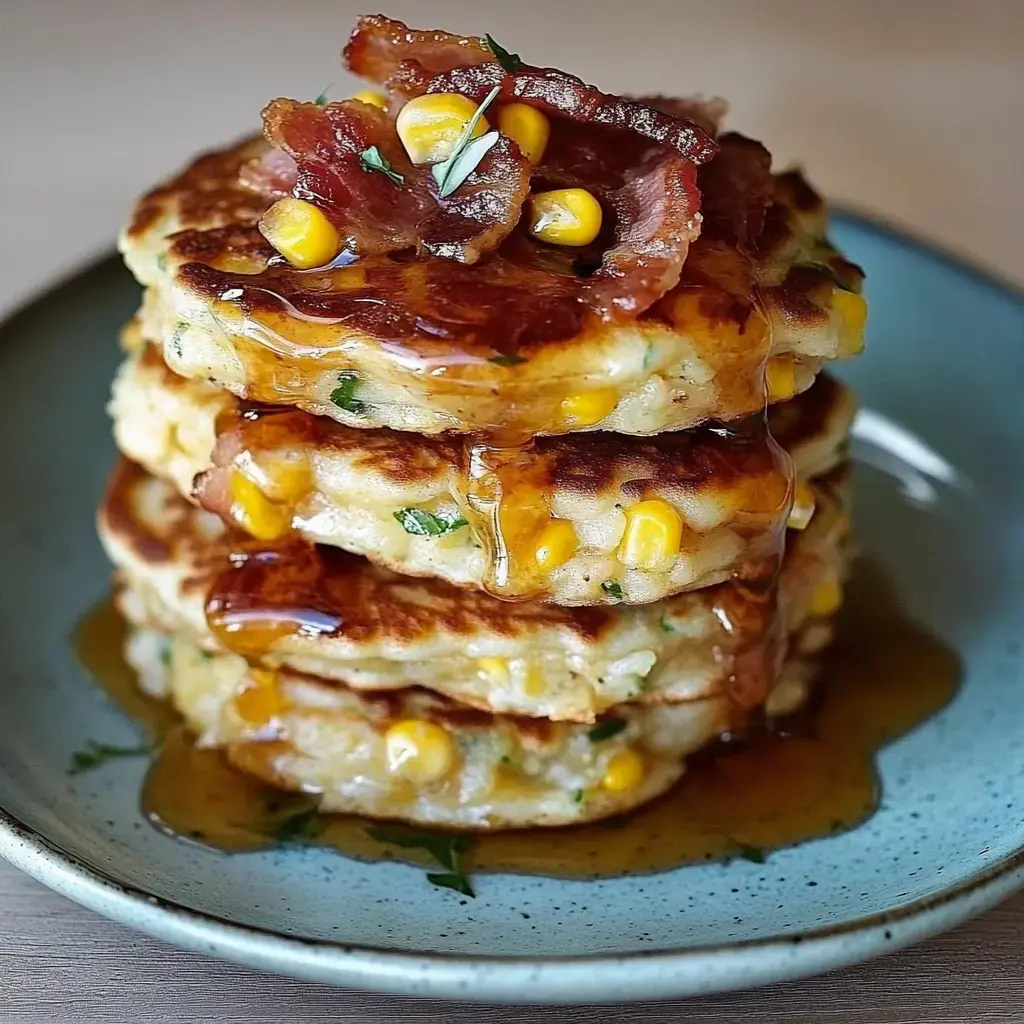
x,y
910,108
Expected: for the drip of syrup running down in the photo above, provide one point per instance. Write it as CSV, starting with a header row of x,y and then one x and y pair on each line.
x,y
810,778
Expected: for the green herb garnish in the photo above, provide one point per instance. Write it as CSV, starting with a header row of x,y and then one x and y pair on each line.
x,y
426,524
612,589
752,853
447,850
466,153
666,626
508,360
304,826
161,261
93,754
607,729
321,100
373,159
343,396
509,61
577,797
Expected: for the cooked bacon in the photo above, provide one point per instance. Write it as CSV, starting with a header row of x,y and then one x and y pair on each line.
x,y
707,114
736,188
656,220
273,174
379,46
376,215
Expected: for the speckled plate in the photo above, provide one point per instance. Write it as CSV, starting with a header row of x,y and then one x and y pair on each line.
x,y
940,504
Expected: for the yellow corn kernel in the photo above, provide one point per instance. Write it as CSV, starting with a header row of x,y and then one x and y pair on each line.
x,y
521,514
255,512
803,507
260,701
826,599
588,407
654,531
780,379
494,670
566,216
852,311
625,771
555,545
372,98
419,752
301,233
533,682
429,126
527,127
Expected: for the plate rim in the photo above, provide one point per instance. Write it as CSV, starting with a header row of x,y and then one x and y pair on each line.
x,y
636,975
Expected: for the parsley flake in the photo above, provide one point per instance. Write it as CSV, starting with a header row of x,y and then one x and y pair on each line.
x,y
606,730
343,396
304,826
509,360
612,589
510,62
428,524
577,797
93,754
373,159
321,100
466,153
447,850
752,853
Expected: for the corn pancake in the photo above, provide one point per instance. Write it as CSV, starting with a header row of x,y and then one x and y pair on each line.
x,y
322,611
433,345
464,768
393,496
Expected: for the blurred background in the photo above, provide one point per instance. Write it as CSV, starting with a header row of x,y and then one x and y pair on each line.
x,y
911,109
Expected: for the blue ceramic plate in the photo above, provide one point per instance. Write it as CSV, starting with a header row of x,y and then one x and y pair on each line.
x,y
940,505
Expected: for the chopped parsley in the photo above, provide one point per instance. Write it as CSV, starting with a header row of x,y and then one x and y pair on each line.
x,y
373,159
666,626
744,851
466,153
161,261
304,826
612,589
428,524
321,100
607,729
93,754
446,849
510,62
343,396
577,797
509,360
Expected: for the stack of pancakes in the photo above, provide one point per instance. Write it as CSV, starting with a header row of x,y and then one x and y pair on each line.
x,y
382,538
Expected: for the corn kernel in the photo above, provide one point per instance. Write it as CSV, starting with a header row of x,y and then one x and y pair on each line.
x,y
826,599
301,233
625,771
803,507
255,512
654,531
588,407
521,514
494,670
533,682
565,216
852,311
780,379
430,125
419,752
527,127
372,98
556,544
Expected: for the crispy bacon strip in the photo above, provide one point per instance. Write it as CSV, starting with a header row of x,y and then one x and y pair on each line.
x,y
376,215
656,220
273,174
736,188
379,46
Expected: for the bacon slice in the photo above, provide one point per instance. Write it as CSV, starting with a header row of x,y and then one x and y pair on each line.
x,y
376,215
273,174
379,46
736,188
656,220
